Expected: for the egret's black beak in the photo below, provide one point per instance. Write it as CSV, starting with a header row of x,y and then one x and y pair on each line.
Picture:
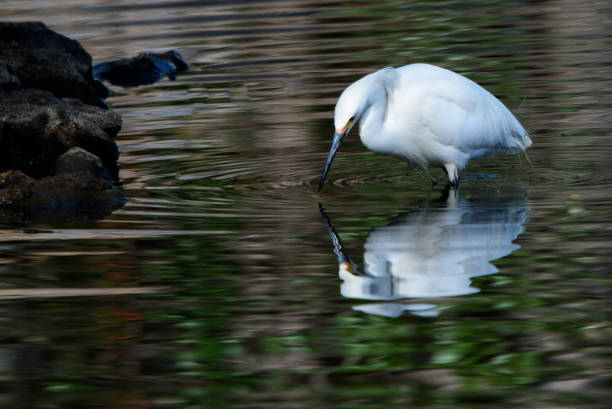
x,y
338,137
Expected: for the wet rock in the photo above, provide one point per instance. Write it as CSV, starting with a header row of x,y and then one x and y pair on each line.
x,y
36,128
75,196
32,56
78,159
144,69
53,120
12,178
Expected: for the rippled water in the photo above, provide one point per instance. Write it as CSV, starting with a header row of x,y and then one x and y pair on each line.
x,y
217,284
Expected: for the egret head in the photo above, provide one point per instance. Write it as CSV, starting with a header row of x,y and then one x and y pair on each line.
x,y
350,106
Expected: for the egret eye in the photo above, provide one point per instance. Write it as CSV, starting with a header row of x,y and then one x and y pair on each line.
x,y
350,121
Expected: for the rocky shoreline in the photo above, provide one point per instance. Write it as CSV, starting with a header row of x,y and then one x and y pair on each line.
x,y
58,159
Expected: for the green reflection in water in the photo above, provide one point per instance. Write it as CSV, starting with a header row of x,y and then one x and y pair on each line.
x,y
220,168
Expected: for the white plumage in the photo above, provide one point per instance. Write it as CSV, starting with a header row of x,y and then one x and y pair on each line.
x,y
426,116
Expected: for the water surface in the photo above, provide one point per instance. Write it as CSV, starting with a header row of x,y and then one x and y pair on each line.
x,y
217,285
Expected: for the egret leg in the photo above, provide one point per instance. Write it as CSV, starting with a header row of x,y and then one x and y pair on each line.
x,y
453,175
434,182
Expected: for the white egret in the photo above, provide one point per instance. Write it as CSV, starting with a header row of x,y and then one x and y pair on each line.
x,y
426,116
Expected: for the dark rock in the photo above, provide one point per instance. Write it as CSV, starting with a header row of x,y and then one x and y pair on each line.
x,y
75,196
32,56
78,159
53,119
36,128
144,69
12,178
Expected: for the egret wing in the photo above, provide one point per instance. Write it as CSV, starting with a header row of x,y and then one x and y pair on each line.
x,y
467,118
457,112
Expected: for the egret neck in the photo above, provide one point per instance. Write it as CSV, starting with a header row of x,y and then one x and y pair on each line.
x,y
373,117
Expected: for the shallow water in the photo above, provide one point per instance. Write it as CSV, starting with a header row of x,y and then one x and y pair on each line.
x,y
217,284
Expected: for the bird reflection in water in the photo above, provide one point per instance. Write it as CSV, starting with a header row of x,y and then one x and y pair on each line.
x,y
430,252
